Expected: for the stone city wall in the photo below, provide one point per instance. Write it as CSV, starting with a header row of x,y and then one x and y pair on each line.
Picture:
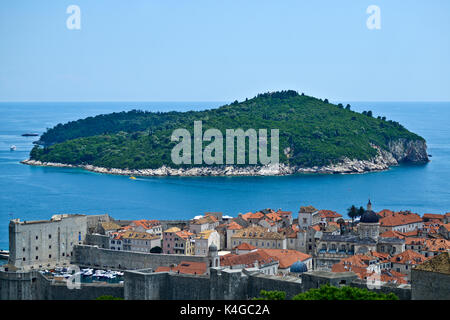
x,y
34,286
93,256
428,285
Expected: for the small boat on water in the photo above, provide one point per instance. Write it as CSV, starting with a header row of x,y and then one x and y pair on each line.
x,y
4,254
133,178
13,148
30,135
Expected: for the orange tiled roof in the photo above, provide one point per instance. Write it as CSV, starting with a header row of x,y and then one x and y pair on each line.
x,y
146,224
186,267
329,214
247,259
245,246
308,209
284,213
386,213
257,233
184,234
380,255
286,257
399,219
205,219
437,245
251,215
414,241
408,257
234,226
433,216
138,235
392,234
273,216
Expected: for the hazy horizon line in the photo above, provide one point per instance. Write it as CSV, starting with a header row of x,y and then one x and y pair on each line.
x,y
202,101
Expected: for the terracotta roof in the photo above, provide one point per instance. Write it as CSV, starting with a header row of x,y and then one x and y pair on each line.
x,y
204,234
392,234
286,257
116,236
408,257
308,209
329,214
110,226
186,267
284,213
273,216
380,255
139,235
206,219
359,264
234,226
185,235
247,259
257,233
440,263
414,241
410,233
433,216
437,245
173,229
245,246
386,213
251,215
400,219
146,224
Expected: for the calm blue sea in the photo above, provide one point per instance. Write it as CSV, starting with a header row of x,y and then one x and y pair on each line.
x,y
32,193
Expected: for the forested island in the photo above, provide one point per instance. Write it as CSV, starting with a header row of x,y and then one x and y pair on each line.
x,y
314,136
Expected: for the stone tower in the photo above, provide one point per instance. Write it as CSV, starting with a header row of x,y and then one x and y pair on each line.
x,y
369,224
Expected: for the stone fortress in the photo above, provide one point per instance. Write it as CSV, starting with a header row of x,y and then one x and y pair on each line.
x,y
71,240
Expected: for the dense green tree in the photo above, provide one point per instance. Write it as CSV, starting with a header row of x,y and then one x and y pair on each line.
x,y
271,295
156,250
316,133
327,292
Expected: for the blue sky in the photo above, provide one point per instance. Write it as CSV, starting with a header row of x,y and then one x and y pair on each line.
x,y
221,50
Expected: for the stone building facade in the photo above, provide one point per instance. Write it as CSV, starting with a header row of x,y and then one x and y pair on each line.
x,y
46,243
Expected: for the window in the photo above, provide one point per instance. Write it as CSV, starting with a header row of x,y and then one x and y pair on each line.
x,y
23,259
37,258
63,254
37,248
49,256
23,249
49,236
37,237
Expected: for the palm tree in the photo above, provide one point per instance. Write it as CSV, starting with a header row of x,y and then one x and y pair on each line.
x,y
352,212
360,212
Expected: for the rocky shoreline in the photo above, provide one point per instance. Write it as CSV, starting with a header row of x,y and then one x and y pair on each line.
x,y
347,166
399,151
